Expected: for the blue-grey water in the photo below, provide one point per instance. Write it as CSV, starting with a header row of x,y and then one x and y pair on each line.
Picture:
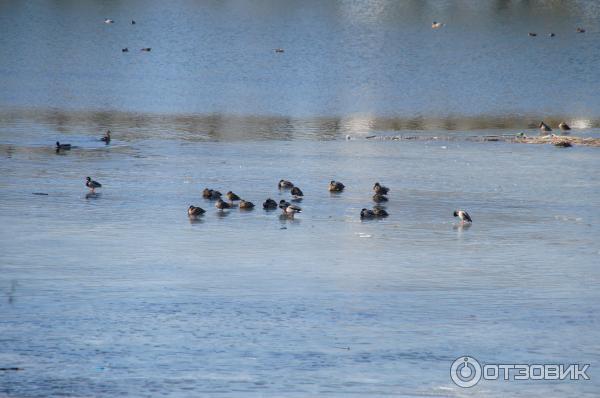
x,y
120,293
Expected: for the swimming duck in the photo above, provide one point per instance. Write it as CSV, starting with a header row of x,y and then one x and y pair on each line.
x,y
244,204
436,25
132,22
297,192
269,204
106,137
194,211
336,186
231,196
532,34
290,210
580,30
211,194
91,184
220,204
379,212
551,34
544,127
463,215
279,50
125,50
146,49
366,213
380,189
378,198
62,146
564,126
285,184
109,20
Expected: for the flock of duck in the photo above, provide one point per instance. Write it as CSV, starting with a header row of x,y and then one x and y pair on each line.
x,y
288,209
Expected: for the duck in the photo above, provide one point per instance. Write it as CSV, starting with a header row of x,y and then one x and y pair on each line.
x,y
378,198
551,34
147,49
132,22
580,30
220,204
231,196
211,194
269,204
285,184
246,205
532,34
544,127
194,211
106,137
297,192
109,20
379,212
91,184
366,213
279,50
380,189
436,25
336,186
463,216
125,50
60,146
564,126
289,209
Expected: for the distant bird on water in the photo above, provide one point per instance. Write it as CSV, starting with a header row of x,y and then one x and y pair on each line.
x,y
366,214
194,211
221,205
436,25
580,30
564,126
380,189
245,205
147,49
289,209
279,50
269,204
532,34
231,196
106,137
297,192
544,127
551,34
336,186
132,22
125,50
285,184
109,20
463,216
60,146
91,184
211,194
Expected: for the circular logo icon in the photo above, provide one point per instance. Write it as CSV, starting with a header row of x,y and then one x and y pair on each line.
x,y
465,372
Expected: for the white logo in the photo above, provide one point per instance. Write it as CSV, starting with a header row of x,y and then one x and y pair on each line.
x,y
465,372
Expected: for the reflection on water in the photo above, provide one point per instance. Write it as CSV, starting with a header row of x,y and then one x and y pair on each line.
x,y
49,125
